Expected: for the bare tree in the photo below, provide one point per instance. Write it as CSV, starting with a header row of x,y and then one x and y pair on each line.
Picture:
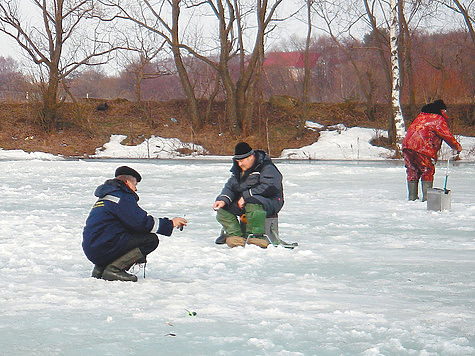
x,y
340,19
154,18
13,84
403,21
58,43
399,63
90,83
410,16
239,68
395,74
405,59
382,46
306,76
465,8
143,48
240,84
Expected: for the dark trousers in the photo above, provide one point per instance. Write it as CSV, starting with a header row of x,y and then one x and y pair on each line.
x,y
146,243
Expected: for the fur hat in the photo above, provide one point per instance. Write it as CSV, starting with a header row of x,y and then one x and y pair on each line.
x,y
434,108
127,171
242,150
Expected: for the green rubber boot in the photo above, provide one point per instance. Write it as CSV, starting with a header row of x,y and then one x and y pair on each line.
x,y
256,219
229,222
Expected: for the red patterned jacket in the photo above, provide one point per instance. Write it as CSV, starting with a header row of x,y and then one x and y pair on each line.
x,y
426,133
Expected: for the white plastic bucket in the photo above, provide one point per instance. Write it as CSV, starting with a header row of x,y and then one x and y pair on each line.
x,y
438,199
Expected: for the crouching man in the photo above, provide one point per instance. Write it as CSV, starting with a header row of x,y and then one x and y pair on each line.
x,y
254,189
118,233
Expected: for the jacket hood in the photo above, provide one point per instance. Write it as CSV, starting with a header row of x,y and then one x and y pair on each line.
x,y
113,185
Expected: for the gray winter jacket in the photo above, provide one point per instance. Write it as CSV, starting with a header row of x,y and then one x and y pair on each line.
x,y
262,183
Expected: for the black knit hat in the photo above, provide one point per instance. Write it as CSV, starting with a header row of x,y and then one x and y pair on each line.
x,y
434,108
127,171
242,150
440,105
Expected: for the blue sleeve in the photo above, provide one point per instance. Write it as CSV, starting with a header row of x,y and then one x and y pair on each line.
x,y
165,226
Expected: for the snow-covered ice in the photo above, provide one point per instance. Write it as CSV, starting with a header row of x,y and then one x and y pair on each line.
x,y
373,274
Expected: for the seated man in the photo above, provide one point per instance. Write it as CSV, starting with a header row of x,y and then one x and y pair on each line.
x,y
254,189
118,233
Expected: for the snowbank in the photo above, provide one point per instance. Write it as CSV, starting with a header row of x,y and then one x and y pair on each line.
x,y
336,142
154,147
341,143
22,155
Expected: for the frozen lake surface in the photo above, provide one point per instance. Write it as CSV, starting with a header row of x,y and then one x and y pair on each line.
x,y
374,274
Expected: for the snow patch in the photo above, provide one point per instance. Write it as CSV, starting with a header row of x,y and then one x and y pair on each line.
x,y
22,155
153,147
341,143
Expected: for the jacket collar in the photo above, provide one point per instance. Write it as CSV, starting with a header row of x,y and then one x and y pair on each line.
x,y
114,185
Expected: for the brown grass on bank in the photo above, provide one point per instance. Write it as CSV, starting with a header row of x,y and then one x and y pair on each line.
x,y
83,128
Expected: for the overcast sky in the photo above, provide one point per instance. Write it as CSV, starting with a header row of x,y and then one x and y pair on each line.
x,y
292,27
285,30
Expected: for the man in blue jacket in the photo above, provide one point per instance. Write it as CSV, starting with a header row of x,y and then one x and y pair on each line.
x,y
254,189
118,233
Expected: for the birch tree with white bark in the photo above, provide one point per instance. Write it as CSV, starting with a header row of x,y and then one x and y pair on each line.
x,y
398,119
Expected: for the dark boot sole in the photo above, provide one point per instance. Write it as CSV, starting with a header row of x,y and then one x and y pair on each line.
x,y
119,276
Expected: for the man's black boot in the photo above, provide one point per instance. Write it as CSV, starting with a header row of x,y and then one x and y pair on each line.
x,y
97,271
116,271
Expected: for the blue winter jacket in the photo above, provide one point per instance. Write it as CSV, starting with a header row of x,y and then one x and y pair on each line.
x,y
262,183
113,218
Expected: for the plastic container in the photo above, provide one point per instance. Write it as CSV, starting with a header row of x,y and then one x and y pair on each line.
x,y
438,199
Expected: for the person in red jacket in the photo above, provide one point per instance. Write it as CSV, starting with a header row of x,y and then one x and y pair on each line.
x,y
421,144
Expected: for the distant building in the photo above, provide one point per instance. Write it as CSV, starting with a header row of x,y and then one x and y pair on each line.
x,y
293,62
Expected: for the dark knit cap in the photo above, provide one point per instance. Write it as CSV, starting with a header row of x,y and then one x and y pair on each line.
x,y
127,171
242,150
434,108
440,105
